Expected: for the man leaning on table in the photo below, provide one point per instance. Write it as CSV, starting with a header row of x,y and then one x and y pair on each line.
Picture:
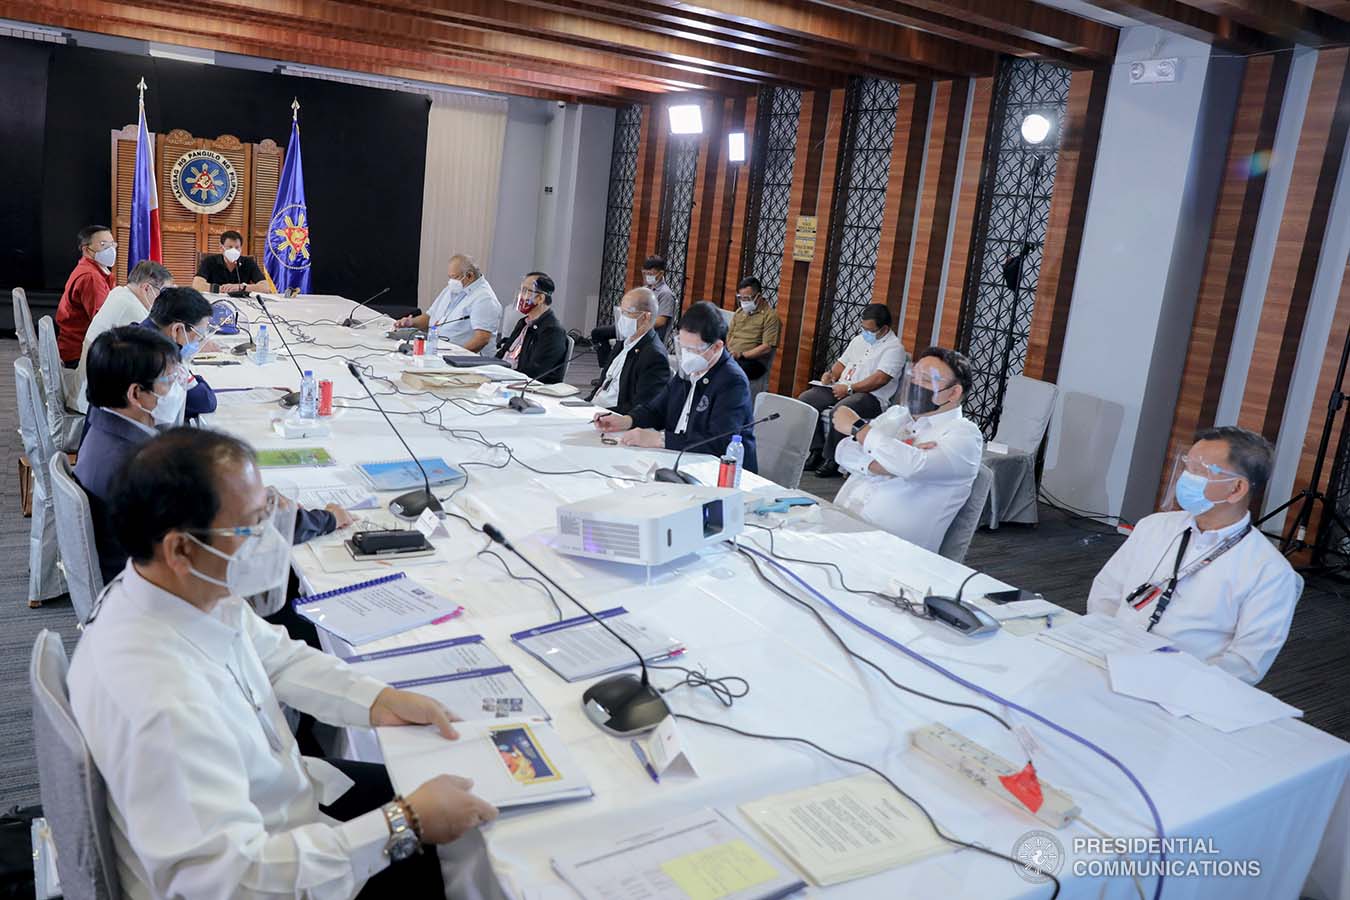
x,y
911,468
466,311
707,397
177,687
1234,594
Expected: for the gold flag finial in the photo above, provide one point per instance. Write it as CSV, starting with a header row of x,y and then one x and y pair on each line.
x,y
141,87
295,109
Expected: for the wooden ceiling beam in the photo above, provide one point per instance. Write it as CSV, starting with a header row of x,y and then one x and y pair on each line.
x,y
1338,8
1191,22
1283,19
1018,27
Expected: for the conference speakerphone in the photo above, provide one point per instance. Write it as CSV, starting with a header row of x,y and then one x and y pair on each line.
x,y
651,524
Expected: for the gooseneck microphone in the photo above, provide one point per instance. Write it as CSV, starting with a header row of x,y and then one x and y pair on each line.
x,y
620,704
523,404
412,504
673,475
292,398
350,321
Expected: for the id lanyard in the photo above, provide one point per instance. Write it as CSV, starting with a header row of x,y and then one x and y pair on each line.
x,y
1146,592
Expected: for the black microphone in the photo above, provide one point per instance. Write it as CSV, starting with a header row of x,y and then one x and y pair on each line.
x,y
412,504
292,398
523,404
673,475
406,347
350,321
620,704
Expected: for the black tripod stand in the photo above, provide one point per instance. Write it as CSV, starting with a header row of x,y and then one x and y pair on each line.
x,y
1295,535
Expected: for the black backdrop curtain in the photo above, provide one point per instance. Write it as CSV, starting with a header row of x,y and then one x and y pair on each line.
x,y
364,155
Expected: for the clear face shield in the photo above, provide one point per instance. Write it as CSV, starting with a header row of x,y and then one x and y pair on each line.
x,y
1198,484
923,389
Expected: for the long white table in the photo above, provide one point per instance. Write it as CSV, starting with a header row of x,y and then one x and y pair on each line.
x,y
1275,793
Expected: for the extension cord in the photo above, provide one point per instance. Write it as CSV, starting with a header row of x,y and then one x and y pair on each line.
x,y
982,767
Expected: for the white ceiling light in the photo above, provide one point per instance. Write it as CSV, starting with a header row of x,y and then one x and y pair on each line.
x,y
183,54
736,147
1035,128
686,118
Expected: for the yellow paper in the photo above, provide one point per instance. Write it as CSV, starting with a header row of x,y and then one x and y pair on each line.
x,y
719,871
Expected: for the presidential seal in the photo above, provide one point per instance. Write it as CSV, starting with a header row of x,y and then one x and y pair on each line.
x,y
288,237
204,181
1040,855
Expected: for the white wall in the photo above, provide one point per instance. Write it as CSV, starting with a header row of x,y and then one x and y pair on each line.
x,y
519,196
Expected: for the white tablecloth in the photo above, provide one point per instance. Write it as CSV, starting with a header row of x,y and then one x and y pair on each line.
x,y
1276,793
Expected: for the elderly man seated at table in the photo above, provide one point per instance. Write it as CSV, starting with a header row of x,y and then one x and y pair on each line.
x,y
1202,575
640,369
911,469
126,304
537,346
466,311
702,404
177,687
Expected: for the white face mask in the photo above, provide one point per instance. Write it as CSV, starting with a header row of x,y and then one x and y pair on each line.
x,y
455,285
168,406
231,254
748,306
624,326
692,363
649,280
257,566
107,257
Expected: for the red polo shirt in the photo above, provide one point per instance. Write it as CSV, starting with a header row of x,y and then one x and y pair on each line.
x,y
86,289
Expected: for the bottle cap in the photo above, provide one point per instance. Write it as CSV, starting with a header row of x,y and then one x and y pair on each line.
x,y
309,373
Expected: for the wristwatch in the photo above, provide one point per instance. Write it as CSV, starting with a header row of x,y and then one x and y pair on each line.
x,y
859,426
848,386
403,838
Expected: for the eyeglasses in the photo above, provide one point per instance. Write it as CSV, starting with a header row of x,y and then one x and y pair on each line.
x,y
176,374
254,530
1208,470
630,313
702,349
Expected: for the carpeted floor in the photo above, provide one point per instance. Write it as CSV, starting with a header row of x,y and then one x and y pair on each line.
x,y
1058,558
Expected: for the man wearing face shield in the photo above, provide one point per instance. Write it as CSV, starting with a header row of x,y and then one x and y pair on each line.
x,y
466,311
177,687
640,368
87,287
229,271
537,346
911,468
708,396
184,316
1198,573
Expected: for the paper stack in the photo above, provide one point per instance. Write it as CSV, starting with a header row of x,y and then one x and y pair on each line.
x,y
1186,686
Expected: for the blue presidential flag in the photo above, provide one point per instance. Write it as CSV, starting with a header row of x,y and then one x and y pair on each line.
x,y
287,251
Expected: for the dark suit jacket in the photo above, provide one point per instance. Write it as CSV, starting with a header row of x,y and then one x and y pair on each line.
x,y
721,403
201,400
544,350
646,369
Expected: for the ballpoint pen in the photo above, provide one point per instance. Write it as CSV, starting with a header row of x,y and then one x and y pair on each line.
x,y
642,758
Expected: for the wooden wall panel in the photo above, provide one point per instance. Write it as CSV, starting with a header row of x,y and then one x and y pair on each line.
x,y
1064,229
1299,245
820,159
902,195
977,132
1229,251
713,271
644,190
935,209
730,271
710,152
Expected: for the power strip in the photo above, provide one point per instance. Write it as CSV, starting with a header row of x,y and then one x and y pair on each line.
x,y
982,767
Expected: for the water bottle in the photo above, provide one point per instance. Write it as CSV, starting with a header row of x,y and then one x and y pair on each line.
x,y
262,346
433,340
729,472
309,396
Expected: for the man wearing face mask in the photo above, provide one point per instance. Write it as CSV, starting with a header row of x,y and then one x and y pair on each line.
x,y
126,305
184,316
1201,575
86,289
537,346
863,379
911,469
654,280
641,368
177,687
229,271
753,333
708,396
466,311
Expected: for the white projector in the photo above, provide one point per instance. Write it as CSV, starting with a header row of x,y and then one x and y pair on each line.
x,y
650,524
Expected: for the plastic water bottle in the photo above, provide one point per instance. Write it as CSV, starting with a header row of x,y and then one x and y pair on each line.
x,y
309,396
729,473
262,346
433,340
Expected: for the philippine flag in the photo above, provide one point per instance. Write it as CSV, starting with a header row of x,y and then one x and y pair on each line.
x,y
145,241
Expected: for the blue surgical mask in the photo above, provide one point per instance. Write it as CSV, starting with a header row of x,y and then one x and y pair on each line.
x,y
1190,493
870,337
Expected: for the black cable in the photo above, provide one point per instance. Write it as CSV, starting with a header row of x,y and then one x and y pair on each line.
x,y
884,777
530,579
726,688
858,656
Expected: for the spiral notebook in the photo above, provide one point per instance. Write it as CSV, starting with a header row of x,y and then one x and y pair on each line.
x,y
375,609
403,474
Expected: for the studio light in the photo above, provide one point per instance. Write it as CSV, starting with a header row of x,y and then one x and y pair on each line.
x,y
686,119
182,54
1035,128
736,147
